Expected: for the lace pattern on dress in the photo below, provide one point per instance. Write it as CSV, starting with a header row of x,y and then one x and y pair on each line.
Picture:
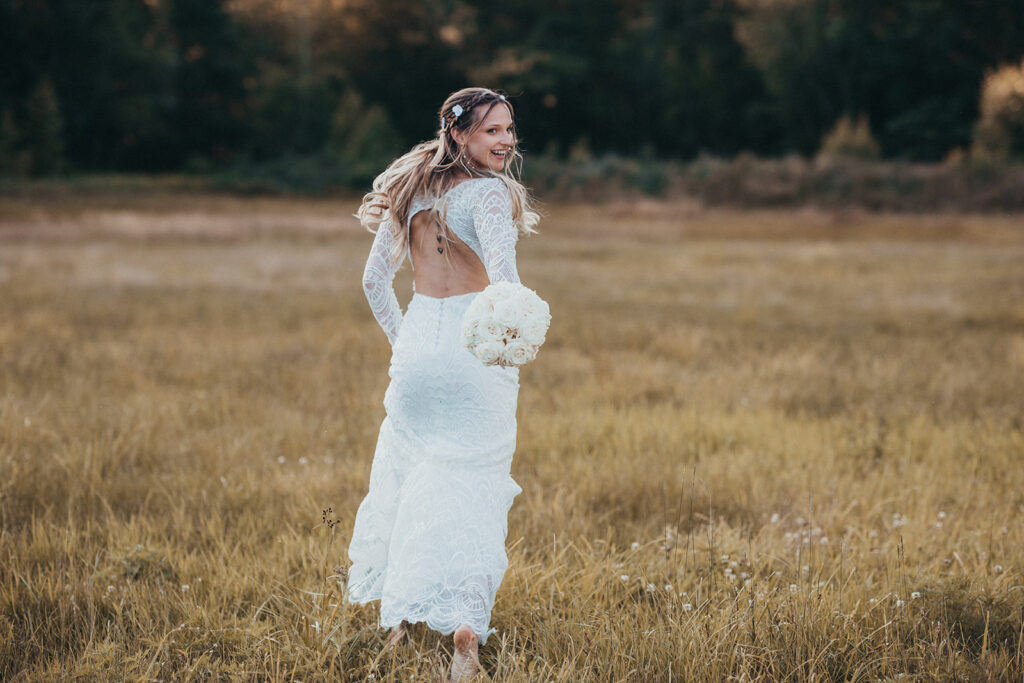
x,y
479,212
378,277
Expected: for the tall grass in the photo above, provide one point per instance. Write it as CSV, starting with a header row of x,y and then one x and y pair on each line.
x,y
757,446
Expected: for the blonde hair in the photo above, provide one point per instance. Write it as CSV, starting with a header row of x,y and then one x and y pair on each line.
x,y
430,168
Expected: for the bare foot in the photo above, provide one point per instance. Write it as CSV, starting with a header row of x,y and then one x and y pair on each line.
x,y
398,634
465,663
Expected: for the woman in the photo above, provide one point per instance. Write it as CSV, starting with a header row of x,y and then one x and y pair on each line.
x,y
429,538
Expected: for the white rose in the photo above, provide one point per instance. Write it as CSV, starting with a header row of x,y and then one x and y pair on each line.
x,y
520,353
469,332
488,352
533,332
492,331
506,313
506,356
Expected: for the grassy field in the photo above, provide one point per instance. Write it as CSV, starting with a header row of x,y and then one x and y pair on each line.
x,y
757,446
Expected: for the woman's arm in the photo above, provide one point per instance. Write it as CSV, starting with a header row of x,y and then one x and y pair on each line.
x,y
377,282
492,218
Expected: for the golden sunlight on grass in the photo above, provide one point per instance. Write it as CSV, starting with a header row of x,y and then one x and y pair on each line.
x,y
757,446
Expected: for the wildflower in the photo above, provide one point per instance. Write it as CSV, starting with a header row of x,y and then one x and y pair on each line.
x,y
687,607
725,558
302,460
775,518
185,587
942,514
682,594
624,577
915,595
668,586
651,588
899,603
872,601
734,563
635,545
998,569
938,525
793,588
110,589
744,575
805,569
824,540
280,460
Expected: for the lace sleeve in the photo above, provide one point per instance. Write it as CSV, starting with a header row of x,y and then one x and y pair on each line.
x,y
492,218
377,283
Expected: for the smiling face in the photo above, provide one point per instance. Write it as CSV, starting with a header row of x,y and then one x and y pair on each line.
x,y
491,145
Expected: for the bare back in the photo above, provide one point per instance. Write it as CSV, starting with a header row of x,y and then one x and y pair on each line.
x,y
455,271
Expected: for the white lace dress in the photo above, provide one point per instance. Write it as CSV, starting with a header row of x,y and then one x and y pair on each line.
x,y
429,537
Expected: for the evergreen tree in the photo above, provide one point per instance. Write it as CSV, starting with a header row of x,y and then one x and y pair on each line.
x,y
210,98
44,130
8,144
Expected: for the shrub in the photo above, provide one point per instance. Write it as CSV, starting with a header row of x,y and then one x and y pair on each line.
x,y
999,132
850,140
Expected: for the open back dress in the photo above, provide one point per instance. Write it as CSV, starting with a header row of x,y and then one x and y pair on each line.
x,y
429,537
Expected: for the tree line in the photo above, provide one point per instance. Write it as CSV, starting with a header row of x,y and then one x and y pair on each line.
x,y
158,85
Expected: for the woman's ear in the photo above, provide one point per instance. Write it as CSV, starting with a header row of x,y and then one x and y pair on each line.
x,y
457,135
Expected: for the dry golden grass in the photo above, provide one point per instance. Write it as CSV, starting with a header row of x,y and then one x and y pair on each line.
x,y
757,446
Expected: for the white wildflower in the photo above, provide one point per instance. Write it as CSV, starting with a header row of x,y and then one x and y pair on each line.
x,y
687,607
624,577
280,460
915,595
185,587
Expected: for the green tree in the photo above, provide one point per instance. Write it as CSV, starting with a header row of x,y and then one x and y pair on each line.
x,y
210,100
8,144
362,138
44,130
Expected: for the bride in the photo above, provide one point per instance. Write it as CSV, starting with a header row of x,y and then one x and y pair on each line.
x,y
429,537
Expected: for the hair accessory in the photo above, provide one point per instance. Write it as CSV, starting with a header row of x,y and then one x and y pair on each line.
x,y
442,122
501,97
457,110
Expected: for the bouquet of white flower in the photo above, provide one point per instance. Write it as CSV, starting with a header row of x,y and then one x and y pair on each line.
x,y
505,324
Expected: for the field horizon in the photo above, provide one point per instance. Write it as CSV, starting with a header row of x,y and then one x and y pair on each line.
x,y
779,445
